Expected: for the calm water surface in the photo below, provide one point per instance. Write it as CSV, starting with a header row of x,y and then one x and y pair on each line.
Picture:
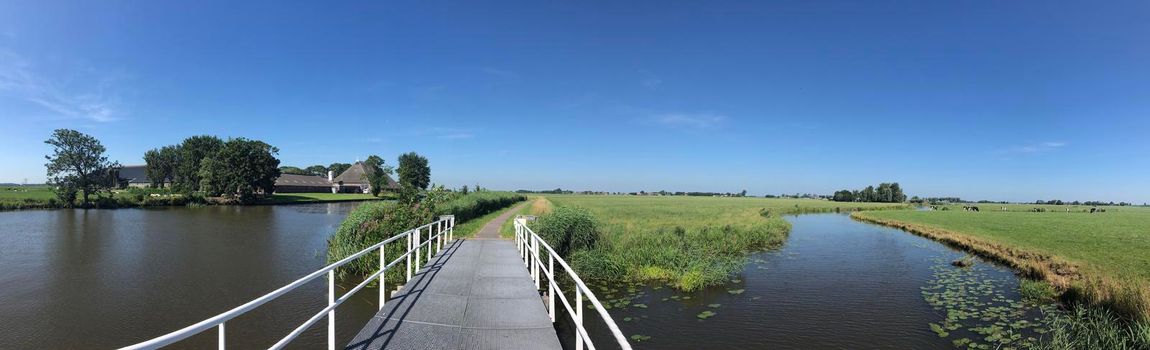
x,y
110,278
81,279
835,284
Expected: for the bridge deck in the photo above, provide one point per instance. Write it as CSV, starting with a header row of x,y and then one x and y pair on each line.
x,y
476,294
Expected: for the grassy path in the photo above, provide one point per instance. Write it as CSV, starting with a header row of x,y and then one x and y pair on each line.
x,y
490,230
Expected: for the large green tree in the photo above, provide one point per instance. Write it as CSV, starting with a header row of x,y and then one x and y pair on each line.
x,y
193,151
413,171
317,170
241,169
338,168
78,164
377,173
161,164
293,170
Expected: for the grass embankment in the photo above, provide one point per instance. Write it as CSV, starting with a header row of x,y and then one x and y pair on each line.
x,y
688,242
1097,260
374,222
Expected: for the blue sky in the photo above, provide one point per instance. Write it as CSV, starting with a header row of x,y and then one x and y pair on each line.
x,y
1016,100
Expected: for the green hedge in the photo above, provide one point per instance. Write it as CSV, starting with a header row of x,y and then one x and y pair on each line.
x,y
371,223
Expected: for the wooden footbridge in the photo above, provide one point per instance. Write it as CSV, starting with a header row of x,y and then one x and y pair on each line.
x,y
479,293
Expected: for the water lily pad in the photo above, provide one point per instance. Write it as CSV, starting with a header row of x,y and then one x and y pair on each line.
x,y
705,314
736,291
639,338
713,306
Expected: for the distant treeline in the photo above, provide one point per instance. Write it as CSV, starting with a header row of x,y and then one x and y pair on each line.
x,y
1093,203
640,193
885,193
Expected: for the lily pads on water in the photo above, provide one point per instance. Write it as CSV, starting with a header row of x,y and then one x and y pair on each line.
x,y
736,291
705,314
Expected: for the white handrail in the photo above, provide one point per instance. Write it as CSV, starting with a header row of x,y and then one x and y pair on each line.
x,y
445,232
528,243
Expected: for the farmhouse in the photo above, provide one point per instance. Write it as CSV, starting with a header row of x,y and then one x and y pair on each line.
x,y
133,176
352,180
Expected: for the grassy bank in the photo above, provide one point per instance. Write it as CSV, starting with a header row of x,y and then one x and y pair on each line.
x,y
1098,261
688,242
1098,258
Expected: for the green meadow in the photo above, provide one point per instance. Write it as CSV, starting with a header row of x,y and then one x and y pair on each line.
x,y
687,242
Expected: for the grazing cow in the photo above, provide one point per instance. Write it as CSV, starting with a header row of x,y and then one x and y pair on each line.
x,y
1092,210
1102,210
975,209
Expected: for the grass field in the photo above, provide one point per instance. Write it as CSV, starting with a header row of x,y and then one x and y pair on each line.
x,y
1100,258
689,242
26,192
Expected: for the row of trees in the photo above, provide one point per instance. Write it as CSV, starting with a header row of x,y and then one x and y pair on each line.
x,y
1091,203
885,193
238,168
316,170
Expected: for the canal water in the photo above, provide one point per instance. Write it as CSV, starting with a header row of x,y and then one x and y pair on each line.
x,y
81,279
98,279
835,284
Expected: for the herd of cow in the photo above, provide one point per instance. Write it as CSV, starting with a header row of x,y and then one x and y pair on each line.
x,y
1092,210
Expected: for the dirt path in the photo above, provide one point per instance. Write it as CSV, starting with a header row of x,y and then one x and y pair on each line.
x,y
490,230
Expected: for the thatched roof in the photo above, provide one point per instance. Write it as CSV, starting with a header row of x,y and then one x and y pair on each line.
x,y
302,180
357,175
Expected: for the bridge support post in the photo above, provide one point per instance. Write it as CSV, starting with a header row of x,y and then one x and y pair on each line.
x,y
222,337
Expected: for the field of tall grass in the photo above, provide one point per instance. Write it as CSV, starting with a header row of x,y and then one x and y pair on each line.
x,y
687,242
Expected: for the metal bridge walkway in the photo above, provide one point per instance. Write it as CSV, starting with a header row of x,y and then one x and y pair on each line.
x,y
475,294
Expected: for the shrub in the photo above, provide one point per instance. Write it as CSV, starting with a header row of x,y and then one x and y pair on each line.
x,y
568,229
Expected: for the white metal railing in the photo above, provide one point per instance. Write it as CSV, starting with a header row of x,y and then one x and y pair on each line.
x,y
438,232
528,243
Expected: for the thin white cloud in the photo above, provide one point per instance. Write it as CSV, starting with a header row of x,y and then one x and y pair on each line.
x,y
98,101
1033,148
694,121
650,80
501,74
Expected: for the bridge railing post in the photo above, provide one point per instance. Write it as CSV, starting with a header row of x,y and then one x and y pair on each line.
x,y
551,287
331,314
408,254
383,276
223,339
578,319
418,262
